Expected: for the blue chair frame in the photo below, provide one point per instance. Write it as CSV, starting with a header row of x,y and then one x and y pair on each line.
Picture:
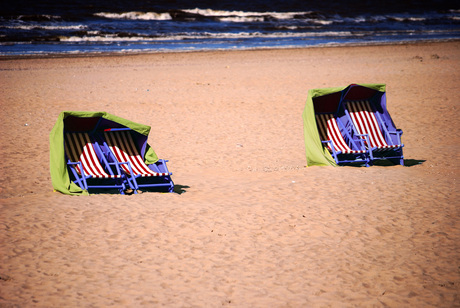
x,y
78,146
380,150
159,177
351,150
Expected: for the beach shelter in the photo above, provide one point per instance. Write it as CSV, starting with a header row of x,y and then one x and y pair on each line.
x,y
89,122
334,101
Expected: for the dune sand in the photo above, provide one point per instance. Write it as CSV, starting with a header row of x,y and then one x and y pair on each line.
x,y
251,226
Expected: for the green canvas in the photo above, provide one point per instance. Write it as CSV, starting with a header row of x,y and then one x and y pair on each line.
x,y
316,153
58,167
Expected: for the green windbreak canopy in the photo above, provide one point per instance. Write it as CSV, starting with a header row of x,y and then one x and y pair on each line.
x,y
80,121
330,98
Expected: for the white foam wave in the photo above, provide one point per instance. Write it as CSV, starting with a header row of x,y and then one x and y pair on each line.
x,y
380,18
405,18
244,16
43,27
207,36
321,21
136,15
45,16
217,13
102,38
241,19
229,16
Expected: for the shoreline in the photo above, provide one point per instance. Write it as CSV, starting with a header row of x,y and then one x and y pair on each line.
x,y
141,53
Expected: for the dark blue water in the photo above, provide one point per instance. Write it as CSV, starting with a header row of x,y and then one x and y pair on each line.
x,y
78,26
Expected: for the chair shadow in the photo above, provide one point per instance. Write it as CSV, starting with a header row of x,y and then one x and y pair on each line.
x,y
407,162
104,191
413,162
387,163
180,189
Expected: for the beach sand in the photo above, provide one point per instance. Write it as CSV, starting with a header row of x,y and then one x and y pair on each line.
x,y
251,225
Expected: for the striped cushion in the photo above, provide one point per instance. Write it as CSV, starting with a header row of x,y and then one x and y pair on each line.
x,y
365,122
329,130
122,146
78,147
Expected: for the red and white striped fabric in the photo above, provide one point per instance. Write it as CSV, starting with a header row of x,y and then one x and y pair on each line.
x,y
122,146
78,147
363,118
329,130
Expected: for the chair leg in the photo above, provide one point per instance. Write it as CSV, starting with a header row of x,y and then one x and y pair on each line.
x,y
133,183
397,161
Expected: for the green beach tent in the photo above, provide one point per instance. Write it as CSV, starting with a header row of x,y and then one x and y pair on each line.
x,y
316,153
78,121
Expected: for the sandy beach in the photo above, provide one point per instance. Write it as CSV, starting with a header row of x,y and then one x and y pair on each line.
x,y
250,225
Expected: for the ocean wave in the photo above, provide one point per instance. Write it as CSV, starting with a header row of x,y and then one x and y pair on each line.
x,y
202,36
258,17
406,18
86,50
241,19
392,18
39,17
94,37
43,27
220,13
135,15
104,38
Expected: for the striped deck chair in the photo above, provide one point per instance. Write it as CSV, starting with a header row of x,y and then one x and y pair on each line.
x,y
343,152
369,123
83,159
124,150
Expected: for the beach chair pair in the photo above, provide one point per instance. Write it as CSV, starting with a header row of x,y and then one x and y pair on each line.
x,y
111,160
359,135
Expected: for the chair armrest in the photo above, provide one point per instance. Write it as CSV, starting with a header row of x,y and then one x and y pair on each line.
x,y
371,149
329,142
125,163
331,145
118,163
81,167
160,166
76,163
366,138
398,133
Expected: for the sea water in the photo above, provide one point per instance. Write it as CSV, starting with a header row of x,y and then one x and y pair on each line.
x,y
130,26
